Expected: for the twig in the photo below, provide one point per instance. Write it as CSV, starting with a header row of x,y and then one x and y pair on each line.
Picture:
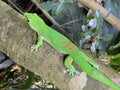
x,y
16,6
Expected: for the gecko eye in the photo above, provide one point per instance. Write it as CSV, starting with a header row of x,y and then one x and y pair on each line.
x,y
28,20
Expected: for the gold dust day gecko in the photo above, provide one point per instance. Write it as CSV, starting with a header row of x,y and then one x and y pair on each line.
x,y
64,45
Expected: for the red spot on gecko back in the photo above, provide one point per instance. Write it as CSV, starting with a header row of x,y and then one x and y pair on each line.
x,y
68,44
71,48
63,41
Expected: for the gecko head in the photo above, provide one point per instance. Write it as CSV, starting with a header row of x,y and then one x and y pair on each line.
x,y
33,19
30,16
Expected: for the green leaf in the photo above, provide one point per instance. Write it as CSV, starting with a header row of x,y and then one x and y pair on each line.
x,y
48,5
90,16
59,8
71,13
55,7
107,37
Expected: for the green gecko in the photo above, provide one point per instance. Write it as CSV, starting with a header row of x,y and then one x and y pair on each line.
x,y
64,45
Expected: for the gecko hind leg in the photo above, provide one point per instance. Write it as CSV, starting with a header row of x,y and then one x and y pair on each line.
x,y
68,63
93,63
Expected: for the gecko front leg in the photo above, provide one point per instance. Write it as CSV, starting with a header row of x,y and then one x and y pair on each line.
x,y
39,43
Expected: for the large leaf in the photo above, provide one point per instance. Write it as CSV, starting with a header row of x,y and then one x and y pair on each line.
x,y
55,6
48,5
71,18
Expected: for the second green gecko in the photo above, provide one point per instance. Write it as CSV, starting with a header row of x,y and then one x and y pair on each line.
x,y
64,45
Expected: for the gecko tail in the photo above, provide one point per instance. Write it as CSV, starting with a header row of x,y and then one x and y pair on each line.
x,y
104,79
84,65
